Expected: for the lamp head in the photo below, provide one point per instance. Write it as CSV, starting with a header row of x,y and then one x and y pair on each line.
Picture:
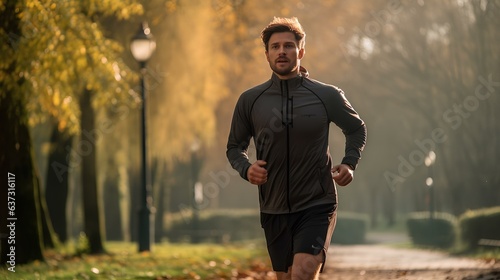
x,y
143,44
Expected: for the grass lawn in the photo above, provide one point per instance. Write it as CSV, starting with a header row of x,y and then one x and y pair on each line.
x,y
166,261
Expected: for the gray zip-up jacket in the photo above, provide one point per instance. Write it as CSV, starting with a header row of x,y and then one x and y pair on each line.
x,y
289,121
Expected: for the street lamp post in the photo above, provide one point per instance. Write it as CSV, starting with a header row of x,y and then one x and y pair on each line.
x,y
142,47
429,161
197,197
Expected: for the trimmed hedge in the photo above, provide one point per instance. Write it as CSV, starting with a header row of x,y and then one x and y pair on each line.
x,y
226,225
440,231
350,229
479,224
219,226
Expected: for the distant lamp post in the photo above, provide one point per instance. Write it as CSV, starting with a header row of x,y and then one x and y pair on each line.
x,y
142,47
197,198
429,161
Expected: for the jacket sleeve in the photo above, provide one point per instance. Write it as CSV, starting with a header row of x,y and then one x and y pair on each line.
x,y
239,138
353,127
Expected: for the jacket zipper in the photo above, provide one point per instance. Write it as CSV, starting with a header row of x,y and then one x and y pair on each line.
x,y
287,120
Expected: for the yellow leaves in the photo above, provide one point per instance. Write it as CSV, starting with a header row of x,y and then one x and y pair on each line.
x,y
119,8
171,6
134,9
66,101
64,76
81,63
56,98
62,124
117,71
30,4
65,51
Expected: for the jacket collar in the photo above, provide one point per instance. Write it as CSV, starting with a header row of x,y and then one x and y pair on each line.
x,y
292,82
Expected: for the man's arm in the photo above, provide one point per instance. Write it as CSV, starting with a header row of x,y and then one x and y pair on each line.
x,y
353,127
238,140
355,143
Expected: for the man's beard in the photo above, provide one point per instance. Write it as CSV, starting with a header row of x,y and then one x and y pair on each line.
x,y
284,71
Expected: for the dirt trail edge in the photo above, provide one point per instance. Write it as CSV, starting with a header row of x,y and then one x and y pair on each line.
x,y
381,261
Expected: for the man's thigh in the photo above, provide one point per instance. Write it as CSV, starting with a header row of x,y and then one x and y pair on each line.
x,y
307,232
312,238
312,233
279,241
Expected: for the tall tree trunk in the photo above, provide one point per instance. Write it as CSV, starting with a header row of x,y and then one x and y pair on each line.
x,y
20,223
48,238
56,188
112,211
92,219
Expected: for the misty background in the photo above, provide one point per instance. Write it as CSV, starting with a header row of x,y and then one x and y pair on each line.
x,y
423,75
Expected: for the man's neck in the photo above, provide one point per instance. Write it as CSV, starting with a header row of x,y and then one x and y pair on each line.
x,y
288,76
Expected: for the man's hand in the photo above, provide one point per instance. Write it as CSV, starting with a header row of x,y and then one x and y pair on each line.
x,y
344,175
256,173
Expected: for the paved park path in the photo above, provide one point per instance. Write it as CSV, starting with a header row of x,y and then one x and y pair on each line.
x,y
379,260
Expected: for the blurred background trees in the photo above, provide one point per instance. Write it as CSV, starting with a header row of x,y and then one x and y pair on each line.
x,y
435,65
423,75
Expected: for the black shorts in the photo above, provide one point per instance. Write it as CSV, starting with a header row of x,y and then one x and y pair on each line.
x,y
308,231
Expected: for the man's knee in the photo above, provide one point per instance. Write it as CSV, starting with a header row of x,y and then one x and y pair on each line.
x,y
306,266
284,275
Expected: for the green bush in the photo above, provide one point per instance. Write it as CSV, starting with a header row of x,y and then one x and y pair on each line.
x,y
350,229
216,226
440,231
479,224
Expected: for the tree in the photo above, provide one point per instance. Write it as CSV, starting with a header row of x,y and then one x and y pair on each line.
x,y
93,225
54,50
16,152
56,186
90,58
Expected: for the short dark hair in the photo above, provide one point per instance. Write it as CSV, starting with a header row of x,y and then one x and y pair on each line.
x,y
280,24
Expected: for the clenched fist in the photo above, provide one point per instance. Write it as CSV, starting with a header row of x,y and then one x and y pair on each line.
x,y
256,173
